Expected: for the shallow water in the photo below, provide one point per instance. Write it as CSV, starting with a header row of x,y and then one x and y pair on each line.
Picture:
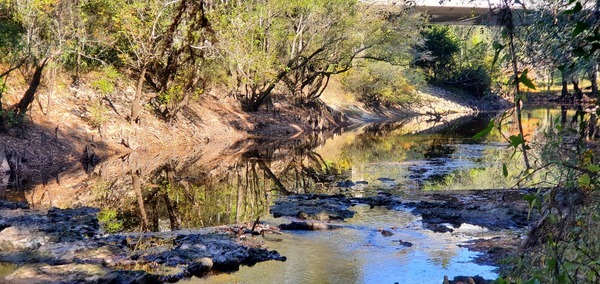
x,y
240,183
359,253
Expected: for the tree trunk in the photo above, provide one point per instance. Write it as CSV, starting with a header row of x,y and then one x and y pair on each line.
x,y
594,80
27,99
592,126
578,91
564,94
513,53
136,107
550,80
173,220
137,188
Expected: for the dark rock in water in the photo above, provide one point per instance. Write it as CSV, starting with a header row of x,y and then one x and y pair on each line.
x,y
73,224
437,228
346,183
260,255
468,280
456,212
302,215
406,244
13,205
307,226
384,179
200,266
379,200
362,182
314,207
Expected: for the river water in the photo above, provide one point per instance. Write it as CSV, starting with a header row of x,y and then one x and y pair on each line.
x,y
239,183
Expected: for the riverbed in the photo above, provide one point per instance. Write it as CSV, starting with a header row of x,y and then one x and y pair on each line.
x,y
402,160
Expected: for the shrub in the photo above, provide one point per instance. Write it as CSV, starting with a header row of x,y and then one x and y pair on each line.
x,y
98,114
376,83
106,83
474,80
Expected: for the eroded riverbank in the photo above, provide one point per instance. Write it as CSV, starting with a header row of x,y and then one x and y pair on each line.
x,y
397,169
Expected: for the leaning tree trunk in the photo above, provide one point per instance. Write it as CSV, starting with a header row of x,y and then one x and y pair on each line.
x,y
23,105
137,188
594,80
578,91
136,106
564,94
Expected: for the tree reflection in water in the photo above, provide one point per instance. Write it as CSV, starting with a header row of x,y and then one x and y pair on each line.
x,y
172,197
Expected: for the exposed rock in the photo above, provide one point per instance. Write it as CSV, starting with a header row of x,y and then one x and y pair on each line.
x,y
437,228
383,200
469,280
307,226
386,233
481,213
66,245
346,183
406,244
495,249
317,207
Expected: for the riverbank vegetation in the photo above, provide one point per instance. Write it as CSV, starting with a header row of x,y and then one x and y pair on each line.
x,y
562,246
132,71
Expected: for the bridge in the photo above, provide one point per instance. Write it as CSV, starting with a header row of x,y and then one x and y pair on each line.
x,y
458,15
448,14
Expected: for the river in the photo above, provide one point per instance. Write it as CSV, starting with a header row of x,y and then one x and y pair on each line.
x,y
239,184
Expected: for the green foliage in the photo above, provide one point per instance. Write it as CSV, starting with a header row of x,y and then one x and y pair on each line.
x,y
103,85
10,118
108,218
106,80
438,50
474,80
98,114
459,58
10,39
377,83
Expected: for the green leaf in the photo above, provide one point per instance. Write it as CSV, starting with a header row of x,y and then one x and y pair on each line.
x,y
516,140
504,170
593,168
529,197
484,132
580,27
584,181
497,49
525,81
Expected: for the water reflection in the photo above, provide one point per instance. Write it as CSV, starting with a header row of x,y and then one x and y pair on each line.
x,y
194,192
359,253
206,186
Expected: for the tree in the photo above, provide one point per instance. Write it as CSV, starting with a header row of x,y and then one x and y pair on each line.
x,y
140,27
35,41
438,49
295,44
